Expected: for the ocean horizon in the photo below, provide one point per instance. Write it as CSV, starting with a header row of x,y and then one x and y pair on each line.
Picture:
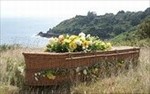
x,y
24,31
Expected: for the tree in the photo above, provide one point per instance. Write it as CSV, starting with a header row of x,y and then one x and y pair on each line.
x,y
91,15
144,29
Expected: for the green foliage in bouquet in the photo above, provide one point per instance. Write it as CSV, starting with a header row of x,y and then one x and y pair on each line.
x,y
74,43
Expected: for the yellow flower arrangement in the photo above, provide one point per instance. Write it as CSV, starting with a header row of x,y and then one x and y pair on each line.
x,y
85,44
76,43
72,46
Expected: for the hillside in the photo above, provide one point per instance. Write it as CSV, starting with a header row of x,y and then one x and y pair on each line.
x,y
105,26
139,35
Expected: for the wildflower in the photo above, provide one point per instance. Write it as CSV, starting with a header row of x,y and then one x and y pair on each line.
x,y
43,75
85,72
79,73
21,69
39,73
36,78
51,76
35,74
96,69
77,69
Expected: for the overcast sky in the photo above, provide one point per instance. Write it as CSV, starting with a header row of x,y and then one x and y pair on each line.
x,y
68,9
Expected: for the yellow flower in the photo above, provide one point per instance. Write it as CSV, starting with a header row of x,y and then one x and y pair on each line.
x,y
77,43
72,37
108,45
72,45
51,76
66,41
67,36
103,44
82,38
90,42
85,44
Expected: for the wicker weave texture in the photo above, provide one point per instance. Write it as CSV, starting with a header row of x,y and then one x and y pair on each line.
x,y
41,61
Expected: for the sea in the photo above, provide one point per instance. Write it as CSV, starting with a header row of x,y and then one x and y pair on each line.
x,y
23,31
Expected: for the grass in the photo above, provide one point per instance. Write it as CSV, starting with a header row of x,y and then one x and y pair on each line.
x,y
11,67
141,43
7,89
6,47
134,81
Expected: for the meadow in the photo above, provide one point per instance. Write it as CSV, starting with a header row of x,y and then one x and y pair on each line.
x,y
135,80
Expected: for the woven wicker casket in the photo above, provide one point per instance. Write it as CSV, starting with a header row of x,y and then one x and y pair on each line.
x,y
39,61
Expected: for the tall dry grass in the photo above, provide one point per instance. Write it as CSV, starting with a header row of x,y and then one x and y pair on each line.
x,y
11,69
134,81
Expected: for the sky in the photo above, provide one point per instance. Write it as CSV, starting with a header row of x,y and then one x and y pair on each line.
x,y
67,9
